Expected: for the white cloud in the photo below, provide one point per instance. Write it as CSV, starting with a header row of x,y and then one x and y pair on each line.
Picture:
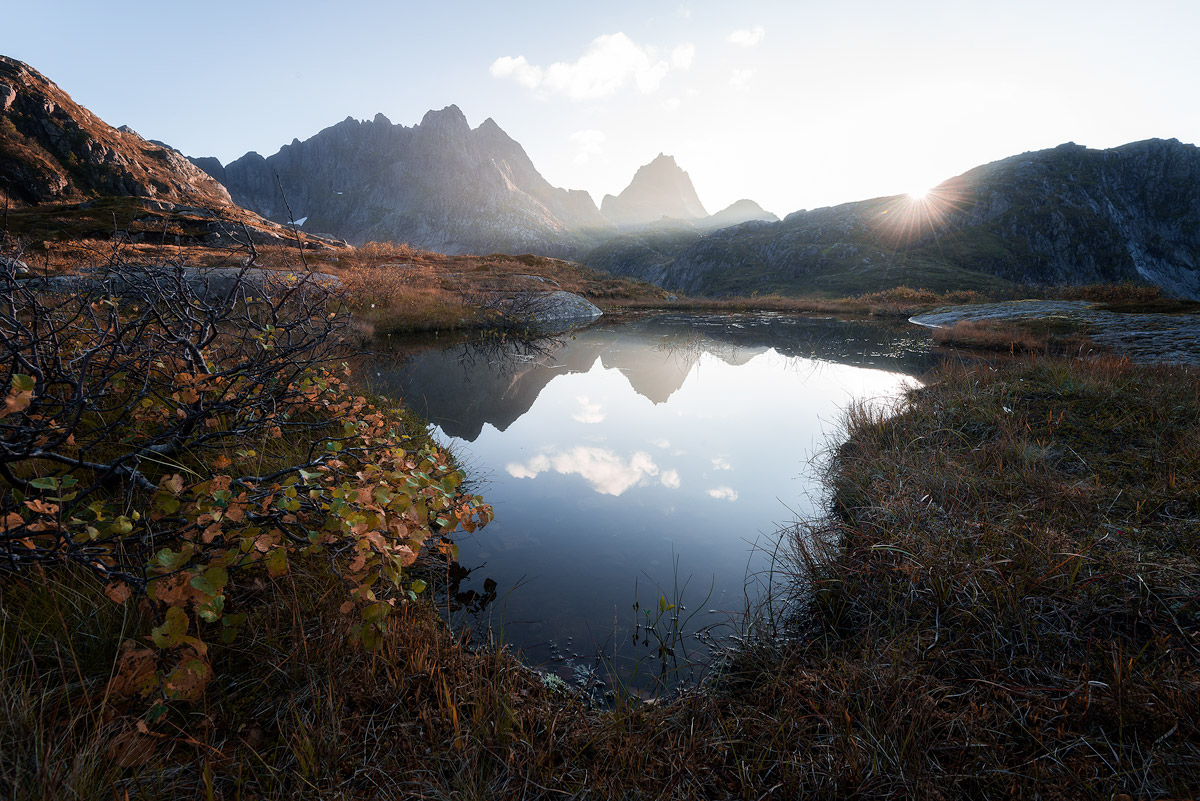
x,y
670,479
661,442
723,494
720,464
588,412
607,472
683,56
611,62
749,37
739,77
519,69
538,464
674,103
590,143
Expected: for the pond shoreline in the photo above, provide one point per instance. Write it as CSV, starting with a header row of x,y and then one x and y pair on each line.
x,y
1007,606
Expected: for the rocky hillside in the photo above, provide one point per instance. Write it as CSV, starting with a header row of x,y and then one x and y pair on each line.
x,y
52,149
67,174
1068,215
439,185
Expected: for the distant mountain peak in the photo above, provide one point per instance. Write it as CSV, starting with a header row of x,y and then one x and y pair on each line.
x,y
658,189
738,212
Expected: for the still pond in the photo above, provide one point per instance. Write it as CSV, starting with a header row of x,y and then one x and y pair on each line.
x,y
646,461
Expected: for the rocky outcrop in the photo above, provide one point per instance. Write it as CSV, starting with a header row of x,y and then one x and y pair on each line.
x,y
1068,215
52,149
1144,337
439,185
658,190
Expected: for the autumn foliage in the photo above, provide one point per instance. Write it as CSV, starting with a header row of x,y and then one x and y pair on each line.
x,y
170,435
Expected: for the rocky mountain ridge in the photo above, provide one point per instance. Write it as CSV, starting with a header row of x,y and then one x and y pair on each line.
x,y
439,185
444,186
1067,215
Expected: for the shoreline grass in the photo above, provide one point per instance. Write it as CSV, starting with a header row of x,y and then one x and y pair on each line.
x,y
1007,604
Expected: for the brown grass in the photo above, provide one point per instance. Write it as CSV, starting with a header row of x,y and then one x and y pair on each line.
x,y
1006,607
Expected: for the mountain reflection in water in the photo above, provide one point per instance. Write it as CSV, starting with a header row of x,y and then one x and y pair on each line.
x,y
658,450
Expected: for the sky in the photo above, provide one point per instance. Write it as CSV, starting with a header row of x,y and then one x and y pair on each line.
x,y
792,104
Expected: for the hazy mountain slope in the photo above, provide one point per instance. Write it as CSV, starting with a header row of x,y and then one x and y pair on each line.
x,y
658,189
1066,215
735,214
438,185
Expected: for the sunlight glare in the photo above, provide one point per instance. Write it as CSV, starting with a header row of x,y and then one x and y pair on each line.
x,y
918,194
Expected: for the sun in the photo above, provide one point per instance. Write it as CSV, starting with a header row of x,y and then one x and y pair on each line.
x,y
917,194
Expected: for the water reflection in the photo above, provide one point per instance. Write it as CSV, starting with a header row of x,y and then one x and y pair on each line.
x,y
631,459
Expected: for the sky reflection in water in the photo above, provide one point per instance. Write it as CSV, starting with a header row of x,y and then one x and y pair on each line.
x,y
660,451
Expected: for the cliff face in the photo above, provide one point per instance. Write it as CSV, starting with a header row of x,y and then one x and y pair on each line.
x,y
439,185
1068,215
54,150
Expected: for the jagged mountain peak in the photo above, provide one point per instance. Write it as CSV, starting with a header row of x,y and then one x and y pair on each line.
x,y
659,189
448,118
438,185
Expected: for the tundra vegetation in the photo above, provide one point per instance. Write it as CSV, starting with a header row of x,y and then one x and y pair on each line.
x,y
218,562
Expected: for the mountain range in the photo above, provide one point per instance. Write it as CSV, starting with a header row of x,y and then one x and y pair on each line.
x,y
445,186
1065,215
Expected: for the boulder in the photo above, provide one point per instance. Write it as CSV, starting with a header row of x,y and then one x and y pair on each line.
x,y
549,312
203,282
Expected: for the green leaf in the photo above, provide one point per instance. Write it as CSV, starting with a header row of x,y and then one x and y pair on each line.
x,y
418,586
370,637
22,383
375,612
211,581
172,560
173,629
276,562
47,483
211,609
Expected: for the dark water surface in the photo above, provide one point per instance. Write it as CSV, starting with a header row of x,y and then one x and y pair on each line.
x,y
637,461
